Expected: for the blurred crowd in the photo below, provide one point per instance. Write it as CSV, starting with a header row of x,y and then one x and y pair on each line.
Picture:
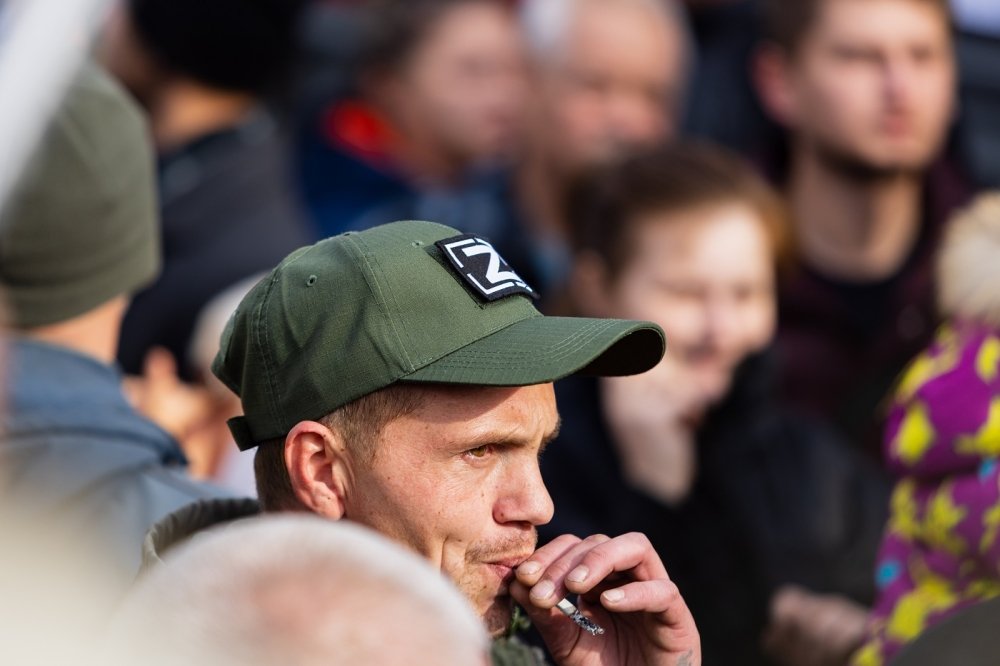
x,y
798,192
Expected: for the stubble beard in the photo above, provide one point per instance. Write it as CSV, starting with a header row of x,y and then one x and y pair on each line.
x,y
857,168
497,615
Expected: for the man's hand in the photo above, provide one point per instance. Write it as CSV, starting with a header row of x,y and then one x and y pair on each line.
x,y
652,419
192,414
623,587
809,629
163,398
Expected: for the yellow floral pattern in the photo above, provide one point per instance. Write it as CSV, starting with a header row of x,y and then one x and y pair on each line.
x,y
988,359
986,441
927,367
943,516
916,435
909,618
941,552
903,514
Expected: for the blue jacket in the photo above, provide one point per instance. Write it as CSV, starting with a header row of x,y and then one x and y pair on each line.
x,y
75,455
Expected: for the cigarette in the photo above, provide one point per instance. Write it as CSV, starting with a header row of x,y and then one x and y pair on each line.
x,y
585,623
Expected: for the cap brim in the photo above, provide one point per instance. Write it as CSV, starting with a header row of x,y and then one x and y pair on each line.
x,y
543,349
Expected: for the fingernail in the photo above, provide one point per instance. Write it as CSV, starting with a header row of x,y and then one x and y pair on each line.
x,y
579,574
613,596
529,568
543,590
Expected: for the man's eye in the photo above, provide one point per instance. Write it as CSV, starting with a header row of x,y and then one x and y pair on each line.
x,y
479,451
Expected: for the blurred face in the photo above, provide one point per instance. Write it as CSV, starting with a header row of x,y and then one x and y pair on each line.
x,y
707,277
614,86
873,84
458,482
463,88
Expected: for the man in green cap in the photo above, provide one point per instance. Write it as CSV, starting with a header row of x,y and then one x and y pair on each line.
x,y
401,378
78,236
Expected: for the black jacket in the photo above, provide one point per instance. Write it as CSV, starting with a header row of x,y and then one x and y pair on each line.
x,y
228,214
777,499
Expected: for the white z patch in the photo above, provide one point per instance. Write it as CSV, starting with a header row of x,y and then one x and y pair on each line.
x,y
476,260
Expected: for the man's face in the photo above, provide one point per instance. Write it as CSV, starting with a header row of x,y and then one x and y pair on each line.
x,y
707,277
458,482
614,86
872,85
463,88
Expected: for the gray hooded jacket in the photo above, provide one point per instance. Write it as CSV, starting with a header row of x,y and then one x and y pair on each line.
x,y
74,455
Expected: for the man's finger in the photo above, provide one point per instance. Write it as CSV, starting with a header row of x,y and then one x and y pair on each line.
x,y
629,552
160,367
551,585
654,596
531,570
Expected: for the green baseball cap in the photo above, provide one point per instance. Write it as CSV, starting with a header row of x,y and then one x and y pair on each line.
x,y
404,302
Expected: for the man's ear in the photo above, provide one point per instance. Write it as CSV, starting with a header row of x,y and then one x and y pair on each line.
x,y
772,79
590,285
318,468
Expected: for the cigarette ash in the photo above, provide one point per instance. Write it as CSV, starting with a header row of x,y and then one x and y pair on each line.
x,y
586,623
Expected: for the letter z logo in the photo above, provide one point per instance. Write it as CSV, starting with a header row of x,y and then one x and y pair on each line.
x,y
483,268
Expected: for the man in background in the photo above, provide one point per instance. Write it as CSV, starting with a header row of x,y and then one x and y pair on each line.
x,y
436,110
400,377
610,77
866,90
202,71
76,240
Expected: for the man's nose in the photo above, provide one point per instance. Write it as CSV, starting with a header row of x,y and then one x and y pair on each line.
x,y
899,76
721,321
526,499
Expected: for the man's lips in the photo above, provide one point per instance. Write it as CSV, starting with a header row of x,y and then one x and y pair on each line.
x,y
897,126
504,568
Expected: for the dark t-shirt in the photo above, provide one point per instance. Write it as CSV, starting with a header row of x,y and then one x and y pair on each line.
x,y
227,215
843,344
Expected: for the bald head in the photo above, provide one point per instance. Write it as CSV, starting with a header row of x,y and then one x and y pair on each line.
x,y
296,589
612,74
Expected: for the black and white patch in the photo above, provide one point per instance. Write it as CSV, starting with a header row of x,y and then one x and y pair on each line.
x,y
483,268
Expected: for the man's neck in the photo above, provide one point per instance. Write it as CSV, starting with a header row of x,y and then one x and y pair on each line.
x,y
850,228
94,333
185,111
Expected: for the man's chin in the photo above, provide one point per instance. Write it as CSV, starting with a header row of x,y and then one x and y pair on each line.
x,y
869,168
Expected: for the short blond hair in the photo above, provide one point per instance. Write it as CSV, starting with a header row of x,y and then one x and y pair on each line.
x,y
968,268
359,423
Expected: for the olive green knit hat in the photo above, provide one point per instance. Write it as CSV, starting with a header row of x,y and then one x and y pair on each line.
x,y
404,302
82,226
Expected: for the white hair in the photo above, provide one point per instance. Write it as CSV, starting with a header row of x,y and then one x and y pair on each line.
x,y
968,270
546,22
212,321
295,589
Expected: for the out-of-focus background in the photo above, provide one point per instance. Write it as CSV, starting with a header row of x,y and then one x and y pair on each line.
x,y
774,182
